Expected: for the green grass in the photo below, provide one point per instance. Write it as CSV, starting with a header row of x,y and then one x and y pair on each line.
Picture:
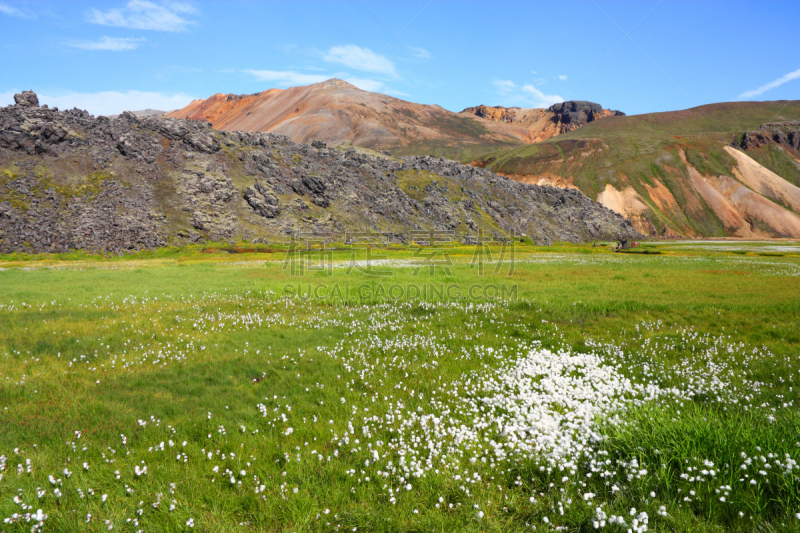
x,y
148,346
777,160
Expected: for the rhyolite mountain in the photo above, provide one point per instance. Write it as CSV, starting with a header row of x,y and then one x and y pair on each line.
x,y
729,169
336,112
534,125
70,181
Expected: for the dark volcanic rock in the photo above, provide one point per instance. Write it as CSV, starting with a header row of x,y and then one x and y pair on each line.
x,y
786,134
262,201
26,99
72,181
576,113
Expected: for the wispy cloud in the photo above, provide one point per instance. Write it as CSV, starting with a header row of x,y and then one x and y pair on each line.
x,y
505,86
360,58
112,103
527,95
11,11
287,78
420,53
562,77
144,15
777,83
113,44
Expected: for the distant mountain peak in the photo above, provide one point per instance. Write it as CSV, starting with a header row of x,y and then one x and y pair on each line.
x,y
336,82
542,124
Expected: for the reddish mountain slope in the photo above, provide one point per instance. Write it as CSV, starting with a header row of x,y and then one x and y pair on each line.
x,y
336,111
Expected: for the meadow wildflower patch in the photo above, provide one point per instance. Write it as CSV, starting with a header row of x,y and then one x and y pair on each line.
x,y
579,407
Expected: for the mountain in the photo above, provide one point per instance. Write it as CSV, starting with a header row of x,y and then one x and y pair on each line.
x,y
69,180
728,169
534,125
144,113
337,112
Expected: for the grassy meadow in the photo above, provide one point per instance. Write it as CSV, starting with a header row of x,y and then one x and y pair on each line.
x,y
563,388
647,152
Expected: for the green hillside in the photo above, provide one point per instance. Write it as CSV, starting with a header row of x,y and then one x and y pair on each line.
x,y
644,151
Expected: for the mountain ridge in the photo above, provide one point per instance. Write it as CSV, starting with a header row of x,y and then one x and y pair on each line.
x,y
335,111
72,181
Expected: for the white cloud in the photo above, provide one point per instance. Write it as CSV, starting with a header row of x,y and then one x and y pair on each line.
x,y
505,86
111,103
562,77
360,58
541,99
6,9
113,44
287,78
420,53
777,83
527,95
144,15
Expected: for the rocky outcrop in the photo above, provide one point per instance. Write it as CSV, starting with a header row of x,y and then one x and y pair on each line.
x,y
507,115
575,113
72,181
785,134
26,99
542,124
262,200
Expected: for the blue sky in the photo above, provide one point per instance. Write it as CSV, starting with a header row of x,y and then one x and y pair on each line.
x,y
639,57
